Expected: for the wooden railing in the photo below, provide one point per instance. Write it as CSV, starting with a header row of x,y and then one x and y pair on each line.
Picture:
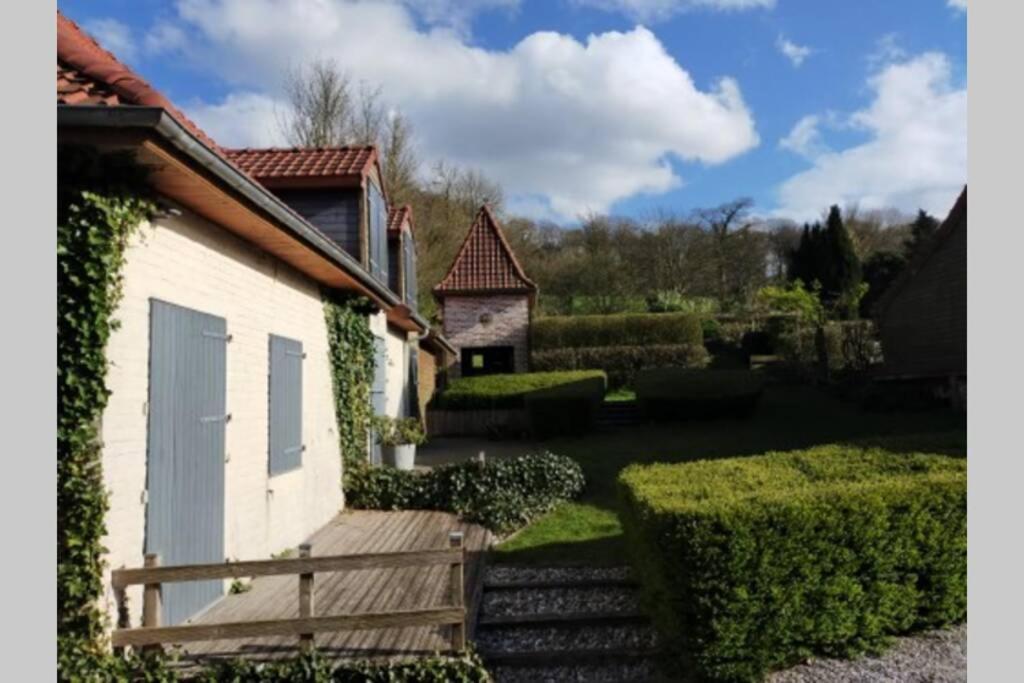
x,y
152,576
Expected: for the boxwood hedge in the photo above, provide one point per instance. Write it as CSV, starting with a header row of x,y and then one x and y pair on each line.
x,y
566,409
629,329
753,564
621,363
494,392
502,495
679,393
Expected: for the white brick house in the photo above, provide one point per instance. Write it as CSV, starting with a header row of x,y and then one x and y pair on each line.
x,y
219,440
486,303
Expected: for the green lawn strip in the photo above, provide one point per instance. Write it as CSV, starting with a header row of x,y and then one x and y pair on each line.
x,y
622,394
788,417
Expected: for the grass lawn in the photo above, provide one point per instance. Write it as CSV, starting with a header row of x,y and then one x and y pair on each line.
x,y
620,394
587,531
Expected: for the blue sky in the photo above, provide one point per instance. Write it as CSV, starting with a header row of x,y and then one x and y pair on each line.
x,y
628,106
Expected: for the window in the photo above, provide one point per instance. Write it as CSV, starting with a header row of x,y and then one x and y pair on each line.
x,y
377,229
285,436
410,269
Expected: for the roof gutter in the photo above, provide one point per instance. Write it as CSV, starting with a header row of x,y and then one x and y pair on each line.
x,y
171,130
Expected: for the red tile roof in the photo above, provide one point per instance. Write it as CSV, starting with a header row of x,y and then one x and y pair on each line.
x,y
88,74
397,215
308,162
485,262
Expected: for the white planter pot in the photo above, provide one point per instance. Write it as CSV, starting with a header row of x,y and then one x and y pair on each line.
x,y
400,457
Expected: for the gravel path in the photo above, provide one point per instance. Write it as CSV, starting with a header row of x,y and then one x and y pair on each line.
x,y
934,657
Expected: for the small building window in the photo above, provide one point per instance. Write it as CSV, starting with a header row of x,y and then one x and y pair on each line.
x,y
285,429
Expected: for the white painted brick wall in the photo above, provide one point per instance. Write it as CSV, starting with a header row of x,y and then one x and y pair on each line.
x,y
509,326
187,261
396,344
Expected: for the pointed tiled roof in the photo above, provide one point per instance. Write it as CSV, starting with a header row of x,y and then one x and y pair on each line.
x,y
485,262
398,215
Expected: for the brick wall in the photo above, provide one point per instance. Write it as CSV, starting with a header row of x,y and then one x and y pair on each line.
x,y
509,325
187,261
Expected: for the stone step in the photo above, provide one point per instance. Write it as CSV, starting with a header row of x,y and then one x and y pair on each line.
x,y
570,619
589,582
563,657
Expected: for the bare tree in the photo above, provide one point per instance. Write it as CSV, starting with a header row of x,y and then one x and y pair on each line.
x,y
320,105
722,223
398,156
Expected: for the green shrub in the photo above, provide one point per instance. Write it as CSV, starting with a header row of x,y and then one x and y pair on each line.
x,y
675,394
644,329
495,392
502,495
754,564
314,668
621,363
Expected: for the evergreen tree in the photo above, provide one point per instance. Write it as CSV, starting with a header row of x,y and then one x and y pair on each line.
x,y
841,284
921,232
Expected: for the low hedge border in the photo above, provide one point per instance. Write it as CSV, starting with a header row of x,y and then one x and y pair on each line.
x,y
622,364
640,329
502,495
679,394
505,392
754,564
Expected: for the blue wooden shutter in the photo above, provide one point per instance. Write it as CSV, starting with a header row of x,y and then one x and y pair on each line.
x,y
185,450
285,404
378,398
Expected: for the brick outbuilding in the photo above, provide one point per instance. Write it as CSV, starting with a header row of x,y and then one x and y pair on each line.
x,y
487,303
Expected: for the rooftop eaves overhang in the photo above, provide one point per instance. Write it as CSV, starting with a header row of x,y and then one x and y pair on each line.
x,y
187,171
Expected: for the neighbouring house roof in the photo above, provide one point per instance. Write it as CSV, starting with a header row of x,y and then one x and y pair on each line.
x,y
485,263
397,217
309,162
956,220
101,101
435,343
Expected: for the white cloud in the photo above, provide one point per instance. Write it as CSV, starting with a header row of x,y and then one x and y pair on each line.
x,y
575,125
958,4
648,11
242,119
915,155
114,36
796,54
164,38
805,138
457,14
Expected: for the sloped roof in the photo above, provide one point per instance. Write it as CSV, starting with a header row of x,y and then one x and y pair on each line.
x,y
304,162
88,74
956,220
397,215
485,262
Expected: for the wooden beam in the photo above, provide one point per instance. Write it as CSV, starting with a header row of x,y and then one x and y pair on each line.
x,y
285,627
302,565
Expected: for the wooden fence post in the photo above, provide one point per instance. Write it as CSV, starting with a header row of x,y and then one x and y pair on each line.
x,y
459,629
306,604
151,598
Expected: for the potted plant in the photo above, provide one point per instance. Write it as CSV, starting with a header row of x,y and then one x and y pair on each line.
x,y
398,439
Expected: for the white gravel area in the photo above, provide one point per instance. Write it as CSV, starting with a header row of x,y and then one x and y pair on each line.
x,y
632,671
508,574
559,601
546,638
933,657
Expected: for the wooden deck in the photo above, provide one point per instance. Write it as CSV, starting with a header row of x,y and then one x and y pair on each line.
x,y
357,591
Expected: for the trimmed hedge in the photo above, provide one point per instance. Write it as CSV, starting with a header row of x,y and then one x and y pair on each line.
x,y
642,329
677,394
567,409
315,668
502,495
621,363
754,564
497,392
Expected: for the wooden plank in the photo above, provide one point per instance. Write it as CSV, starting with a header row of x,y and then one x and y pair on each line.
x,y
236,570
276,627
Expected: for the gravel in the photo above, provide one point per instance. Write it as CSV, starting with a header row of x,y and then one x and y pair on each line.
x,y
559,601
508,574
933,657
546,638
